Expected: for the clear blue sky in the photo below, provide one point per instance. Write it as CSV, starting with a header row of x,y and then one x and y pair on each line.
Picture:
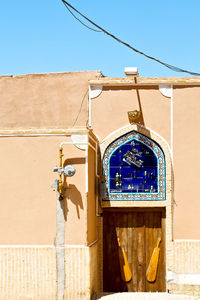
x,y
40,36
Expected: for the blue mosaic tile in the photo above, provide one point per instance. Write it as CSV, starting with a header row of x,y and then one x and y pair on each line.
x,y
134,169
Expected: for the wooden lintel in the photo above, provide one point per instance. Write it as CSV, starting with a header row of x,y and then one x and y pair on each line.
x,y
106,81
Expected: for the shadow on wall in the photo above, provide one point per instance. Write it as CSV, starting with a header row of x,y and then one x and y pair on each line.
x,y
71,191
140,121
73,194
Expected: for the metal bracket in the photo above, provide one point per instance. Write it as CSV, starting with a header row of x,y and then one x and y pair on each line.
x,y
95,91
134,116
102,189
55,184
166,90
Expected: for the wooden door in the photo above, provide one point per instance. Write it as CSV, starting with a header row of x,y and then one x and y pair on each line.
x,y
138,232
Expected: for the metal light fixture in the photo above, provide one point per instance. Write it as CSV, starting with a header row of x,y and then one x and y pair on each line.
x,y
134,116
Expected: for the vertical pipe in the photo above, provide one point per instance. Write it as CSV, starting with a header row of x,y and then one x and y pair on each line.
x,y
86,166
60,235
89,108
60,175
172,124
60,222
60,246
172,155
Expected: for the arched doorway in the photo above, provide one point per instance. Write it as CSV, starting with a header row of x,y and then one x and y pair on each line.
x,y
134,170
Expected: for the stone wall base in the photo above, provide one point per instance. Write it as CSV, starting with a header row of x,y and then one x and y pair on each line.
x,y
186,289
29,272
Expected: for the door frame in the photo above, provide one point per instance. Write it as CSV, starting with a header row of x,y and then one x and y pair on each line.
x,y
142,210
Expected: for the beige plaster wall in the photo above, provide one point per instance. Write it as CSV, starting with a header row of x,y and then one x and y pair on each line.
x,y
44,100
27,214
109,110
28,203
109,113
187,162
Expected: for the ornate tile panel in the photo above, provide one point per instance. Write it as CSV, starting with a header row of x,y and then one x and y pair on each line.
x,y
134,169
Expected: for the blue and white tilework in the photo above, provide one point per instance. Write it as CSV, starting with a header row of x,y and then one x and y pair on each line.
x,y
134,169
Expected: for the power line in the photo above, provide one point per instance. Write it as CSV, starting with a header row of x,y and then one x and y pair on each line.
x,y
80,109
79,19
171,67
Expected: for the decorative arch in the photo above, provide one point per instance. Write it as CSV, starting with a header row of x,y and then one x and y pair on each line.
x,y
134,169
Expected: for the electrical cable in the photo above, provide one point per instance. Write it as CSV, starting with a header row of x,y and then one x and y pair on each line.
x,y
80,108
79,19
171,67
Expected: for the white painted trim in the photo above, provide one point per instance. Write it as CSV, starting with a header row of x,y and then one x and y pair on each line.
x,y
39,134
86,162
131,71
186,240
89,108
78,140
190,279
86,168
94,92
27,246
172,125
46,246
60,247
96,195
166,90
86,157
172,153
78,246
34,134
78,143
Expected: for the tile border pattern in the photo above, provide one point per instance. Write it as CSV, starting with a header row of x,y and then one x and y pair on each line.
x,y
135,136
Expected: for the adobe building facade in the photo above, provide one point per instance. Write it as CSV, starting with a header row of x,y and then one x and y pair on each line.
x,y
134,144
